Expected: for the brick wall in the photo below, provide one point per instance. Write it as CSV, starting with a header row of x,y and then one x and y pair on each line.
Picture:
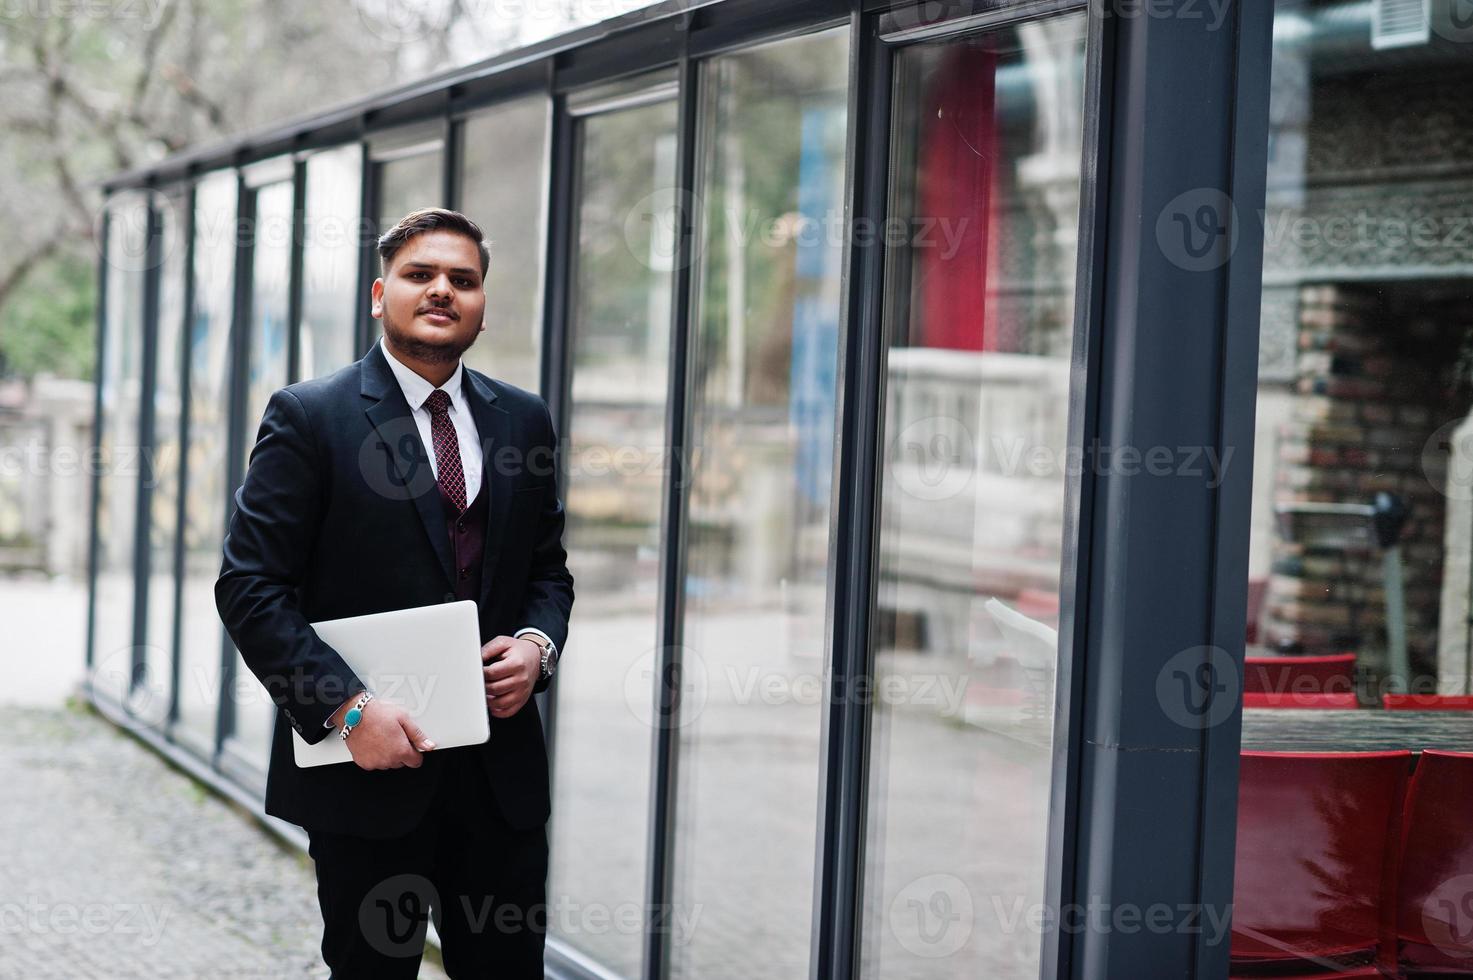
x,y
1374,379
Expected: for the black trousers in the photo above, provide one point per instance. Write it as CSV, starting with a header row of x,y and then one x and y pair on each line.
x,y
483,883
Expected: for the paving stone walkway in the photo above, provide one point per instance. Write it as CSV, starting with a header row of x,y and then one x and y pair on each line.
x,y
114,865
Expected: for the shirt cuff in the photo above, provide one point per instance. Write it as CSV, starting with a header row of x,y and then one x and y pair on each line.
x,y
538,633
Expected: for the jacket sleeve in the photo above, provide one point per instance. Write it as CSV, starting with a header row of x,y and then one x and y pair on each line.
x,y
278,509
549,594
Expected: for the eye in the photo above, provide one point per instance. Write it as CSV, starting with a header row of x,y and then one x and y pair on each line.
x,y
464,283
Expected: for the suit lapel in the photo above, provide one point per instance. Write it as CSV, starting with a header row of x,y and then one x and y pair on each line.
x,y
398,439
493,428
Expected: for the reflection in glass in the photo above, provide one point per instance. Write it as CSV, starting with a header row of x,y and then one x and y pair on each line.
x,y
504,174
620,339
204,494
1364,409
117,489
979,311
163,527
330,229
269,336
408,184
763,396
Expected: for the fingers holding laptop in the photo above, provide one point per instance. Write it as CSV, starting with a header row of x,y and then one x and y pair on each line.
x,y
387,738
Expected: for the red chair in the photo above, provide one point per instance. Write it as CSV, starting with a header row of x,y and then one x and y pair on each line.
x,y
1316,862
1261,699
1434,921
1427,702
1327,674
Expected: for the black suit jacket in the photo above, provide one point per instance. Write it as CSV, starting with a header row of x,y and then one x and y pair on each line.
x,y
339,515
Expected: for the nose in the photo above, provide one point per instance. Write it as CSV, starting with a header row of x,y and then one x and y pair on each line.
x,y
440,287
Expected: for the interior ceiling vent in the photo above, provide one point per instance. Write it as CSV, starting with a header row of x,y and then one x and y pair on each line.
x,y
1401,23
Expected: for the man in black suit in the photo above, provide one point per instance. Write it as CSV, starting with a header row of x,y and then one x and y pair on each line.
x,y
402,480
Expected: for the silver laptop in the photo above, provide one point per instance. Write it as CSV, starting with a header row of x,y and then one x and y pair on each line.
x,y
426,660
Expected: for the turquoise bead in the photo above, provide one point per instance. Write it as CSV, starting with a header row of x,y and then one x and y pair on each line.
x,y
352,717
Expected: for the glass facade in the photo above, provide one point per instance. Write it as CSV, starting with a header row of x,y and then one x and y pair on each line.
x,y
206,486
121,380
503,189
763,392
620,343
979,323
878,281
331,226
1359,552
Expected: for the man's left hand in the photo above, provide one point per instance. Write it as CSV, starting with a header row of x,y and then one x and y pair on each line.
x,y
512,666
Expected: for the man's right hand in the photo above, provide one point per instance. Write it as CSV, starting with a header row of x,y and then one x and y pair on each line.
x,y
387,738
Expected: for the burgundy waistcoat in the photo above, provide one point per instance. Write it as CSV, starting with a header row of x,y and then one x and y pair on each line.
x,y
467,542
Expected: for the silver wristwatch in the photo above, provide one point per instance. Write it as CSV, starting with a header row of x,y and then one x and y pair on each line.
x,y
549,656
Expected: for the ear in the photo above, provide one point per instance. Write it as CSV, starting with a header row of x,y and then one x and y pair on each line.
x,y
377,311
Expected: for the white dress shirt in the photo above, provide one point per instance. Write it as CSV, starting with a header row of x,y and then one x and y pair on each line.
x,y
416,392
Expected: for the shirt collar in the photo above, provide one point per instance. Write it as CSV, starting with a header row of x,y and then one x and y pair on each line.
x,y
417,389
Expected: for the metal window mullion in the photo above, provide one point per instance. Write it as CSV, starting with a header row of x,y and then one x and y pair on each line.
x,y
143,496
186,357
240,335
296,274
368,232
1074,573
671,603
99,372
844,754
1236,410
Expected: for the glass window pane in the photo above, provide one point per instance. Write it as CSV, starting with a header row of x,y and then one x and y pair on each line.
x,y
407,184
763,396
117,490
164,503
620,342
269,335
330,261
979,314
1362,530
504,176
204,493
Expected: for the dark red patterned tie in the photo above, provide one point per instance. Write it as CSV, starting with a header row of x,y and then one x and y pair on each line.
x,y
448,470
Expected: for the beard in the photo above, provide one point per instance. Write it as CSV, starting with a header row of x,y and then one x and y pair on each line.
x,y
447,351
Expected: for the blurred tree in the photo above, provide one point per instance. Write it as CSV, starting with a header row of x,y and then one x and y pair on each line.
x,y
90,89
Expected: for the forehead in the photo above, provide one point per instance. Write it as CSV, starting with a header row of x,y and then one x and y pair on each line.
x,y
440,248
